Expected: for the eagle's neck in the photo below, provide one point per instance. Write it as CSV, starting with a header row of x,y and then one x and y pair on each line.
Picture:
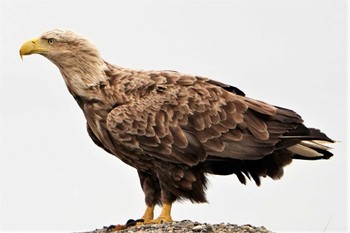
x,y
83,74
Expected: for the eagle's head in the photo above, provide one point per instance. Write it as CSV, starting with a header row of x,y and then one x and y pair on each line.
x,y
58,42
76,57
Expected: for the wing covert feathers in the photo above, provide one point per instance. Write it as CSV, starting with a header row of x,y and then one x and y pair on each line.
x,y
188,119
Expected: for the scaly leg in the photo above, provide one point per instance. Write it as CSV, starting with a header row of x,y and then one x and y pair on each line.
x,y
148,215
167,199
147,218
165,215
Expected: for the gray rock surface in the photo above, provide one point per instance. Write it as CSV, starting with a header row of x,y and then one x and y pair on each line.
x,y
189,227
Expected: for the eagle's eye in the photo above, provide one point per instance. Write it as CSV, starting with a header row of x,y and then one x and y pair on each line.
x,y
50,41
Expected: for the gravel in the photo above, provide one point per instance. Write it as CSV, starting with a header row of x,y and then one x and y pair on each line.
x,y
188,227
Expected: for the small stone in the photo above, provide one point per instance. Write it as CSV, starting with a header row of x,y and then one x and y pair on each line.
x,y
209,229
199,228
187,224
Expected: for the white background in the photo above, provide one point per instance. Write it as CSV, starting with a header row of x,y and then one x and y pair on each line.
x,y
287,53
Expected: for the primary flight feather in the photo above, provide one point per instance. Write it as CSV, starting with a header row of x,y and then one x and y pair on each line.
x,y
175,128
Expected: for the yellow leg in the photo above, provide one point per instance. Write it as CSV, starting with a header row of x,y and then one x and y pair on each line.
x,y
148,215
165,215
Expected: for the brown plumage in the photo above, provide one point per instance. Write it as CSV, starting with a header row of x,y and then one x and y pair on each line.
x,y
175,128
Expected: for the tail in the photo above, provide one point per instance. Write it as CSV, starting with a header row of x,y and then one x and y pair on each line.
x,y
310,146
301,143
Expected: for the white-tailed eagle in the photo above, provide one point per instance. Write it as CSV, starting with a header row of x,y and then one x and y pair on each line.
x,y
176,128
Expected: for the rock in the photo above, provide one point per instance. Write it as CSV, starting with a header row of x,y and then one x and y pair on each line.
x,y
198,228
187,226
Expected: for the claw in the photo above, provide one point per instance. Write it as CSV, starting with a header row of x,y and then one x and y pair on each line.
x,y
139,220
132,222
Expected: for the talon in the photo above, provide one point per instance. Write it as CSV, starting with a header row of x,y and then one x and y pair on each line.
x,y
109,227
141,221
130,223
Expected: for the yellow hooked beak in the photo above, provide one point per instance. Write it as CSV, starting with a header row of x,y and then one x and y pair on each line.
x,y
30,47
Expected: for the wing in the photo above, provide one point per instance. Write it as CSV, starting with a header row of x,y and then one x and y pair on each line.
x,y
184,119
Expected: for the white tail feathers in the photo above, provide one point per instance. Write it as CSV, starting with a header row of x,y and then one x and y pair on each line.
x,y
307,148
318,144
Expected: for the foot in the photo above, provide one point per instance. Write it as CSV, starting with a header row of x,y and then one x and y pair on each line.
x,y
147,218
158,220
163,217
129,223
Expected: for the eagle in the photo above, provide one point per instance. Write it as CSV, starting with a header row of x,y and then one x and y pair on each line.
x,y
176,128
